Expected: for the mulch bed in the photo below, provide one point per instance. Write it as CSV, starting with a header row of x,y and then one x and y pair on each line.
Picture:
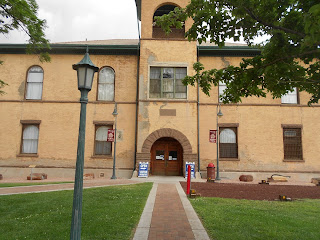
x,y
253,191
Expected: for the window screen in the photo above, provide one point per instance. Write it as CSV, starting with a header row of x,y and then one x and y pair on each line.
x,y
292,143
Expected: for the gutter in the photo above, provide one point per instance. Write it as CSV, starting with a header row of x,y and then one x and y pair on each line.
x,y
137,100
74,49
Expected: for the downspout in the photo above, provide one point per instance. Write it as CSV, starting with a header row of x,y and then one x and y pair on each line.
x,y
137,100
198,114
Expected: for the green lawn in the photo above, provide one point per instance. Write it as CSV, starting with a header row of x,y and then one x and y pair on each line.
x,y
245,219
2,185
108,213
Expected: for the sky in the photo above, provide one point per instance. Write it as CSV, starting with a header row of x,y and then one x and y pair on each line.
x,y
78,20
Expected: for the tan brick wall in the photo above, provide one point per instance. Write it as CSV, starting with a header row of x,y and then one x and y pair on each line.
x,y
59,111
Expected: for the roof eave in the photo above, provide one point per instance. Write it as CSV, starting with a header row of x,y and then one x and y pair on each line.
x,y
232,51
74,49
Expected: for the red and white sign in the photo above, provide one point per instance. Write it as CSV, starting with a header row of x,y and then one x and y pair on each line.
x,y
110,137
213,136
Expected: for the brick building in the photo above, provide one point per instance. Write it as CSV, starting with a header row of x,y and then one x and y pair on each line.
x,y
160,120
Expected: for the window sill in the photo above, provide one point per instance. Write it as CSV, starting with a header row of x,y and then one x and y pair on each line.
x,y
102,156
293,160
229,159
28,155
167,99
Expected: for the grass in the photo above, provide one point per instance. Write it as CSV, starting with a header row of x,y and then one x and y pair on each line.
x,y
2,185
108,213
246,219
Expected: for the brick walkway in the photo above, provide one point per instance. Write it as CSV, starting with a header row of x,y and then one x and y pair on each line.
x,y
169,220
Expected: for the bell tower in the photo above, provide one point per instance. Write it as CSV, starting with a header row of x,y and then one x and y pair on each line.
x,y
147,10
164,102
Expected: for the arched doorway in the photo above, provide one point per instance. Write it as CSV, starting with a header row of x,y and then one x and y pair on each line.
x,y
166,157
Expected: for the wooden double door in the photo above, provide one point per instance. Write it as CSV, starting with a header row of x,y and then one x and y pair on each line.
x,y
166,157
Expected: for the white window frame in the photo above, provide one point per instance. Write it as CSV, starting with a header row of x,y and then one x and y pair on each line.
x,y
34,85
105,84
27,147
290,98
222,86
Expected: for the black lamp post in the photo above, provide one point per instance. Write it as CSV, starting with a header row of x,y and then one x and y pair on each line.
x,y
219,115
115,114
85,72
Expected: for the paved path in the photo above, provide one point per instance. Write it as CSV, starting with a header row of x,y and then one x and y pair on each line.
x,y
168,215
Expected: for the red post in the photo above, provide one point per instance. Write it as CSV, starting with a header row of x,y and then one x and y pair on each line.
x,y
189,180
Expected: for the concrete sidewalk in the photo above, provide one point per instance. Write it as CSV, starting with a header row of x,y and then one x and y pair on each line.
x,y
63,186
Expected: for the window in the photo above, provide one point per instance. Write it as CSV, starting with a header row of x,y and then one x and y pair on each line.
x,y
167,83
34,83
101,146
292,143
30,138
290,97
222,87
106,84
228,145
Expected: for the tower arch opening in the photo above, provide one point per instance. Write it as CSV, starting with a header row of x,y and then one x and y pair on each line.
x,y
157,31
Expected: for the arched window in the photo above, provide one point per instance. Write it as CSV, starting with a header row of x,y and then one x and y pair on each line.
x,y
102,147
106,84
228,146
30,138
158,32
34,83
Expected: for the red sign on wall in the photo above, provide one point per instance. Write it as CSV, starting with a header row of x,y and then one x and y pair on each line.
x,y
213,136
110,137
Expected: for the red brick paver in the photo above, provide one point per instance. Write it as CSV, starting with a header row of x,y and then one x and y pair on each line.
x,y
169,220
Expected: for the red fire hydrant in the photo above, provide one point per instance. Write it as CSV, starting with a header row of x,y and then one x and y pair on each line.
x,y
211,172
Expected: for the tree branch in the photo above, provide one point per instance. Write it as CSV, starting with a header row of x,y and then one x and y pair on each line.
x,y
292,56
18,21
272,25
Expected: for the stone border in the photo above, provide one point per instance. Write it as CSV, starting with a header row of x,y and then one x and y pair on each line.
x,y
142,231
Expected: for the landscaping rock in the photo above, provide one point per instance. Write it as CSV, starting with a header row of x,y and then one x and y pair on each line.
x,y
88,176
37,176
278,179
315,180
246,178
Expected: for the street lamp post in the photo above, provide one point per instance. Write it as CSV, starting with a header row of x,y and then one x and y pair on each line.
x,y
85,72
219,114
115,114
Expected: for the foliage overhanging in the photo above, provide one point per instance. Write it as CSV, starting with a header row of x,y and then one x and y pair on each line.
x,y
289,58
